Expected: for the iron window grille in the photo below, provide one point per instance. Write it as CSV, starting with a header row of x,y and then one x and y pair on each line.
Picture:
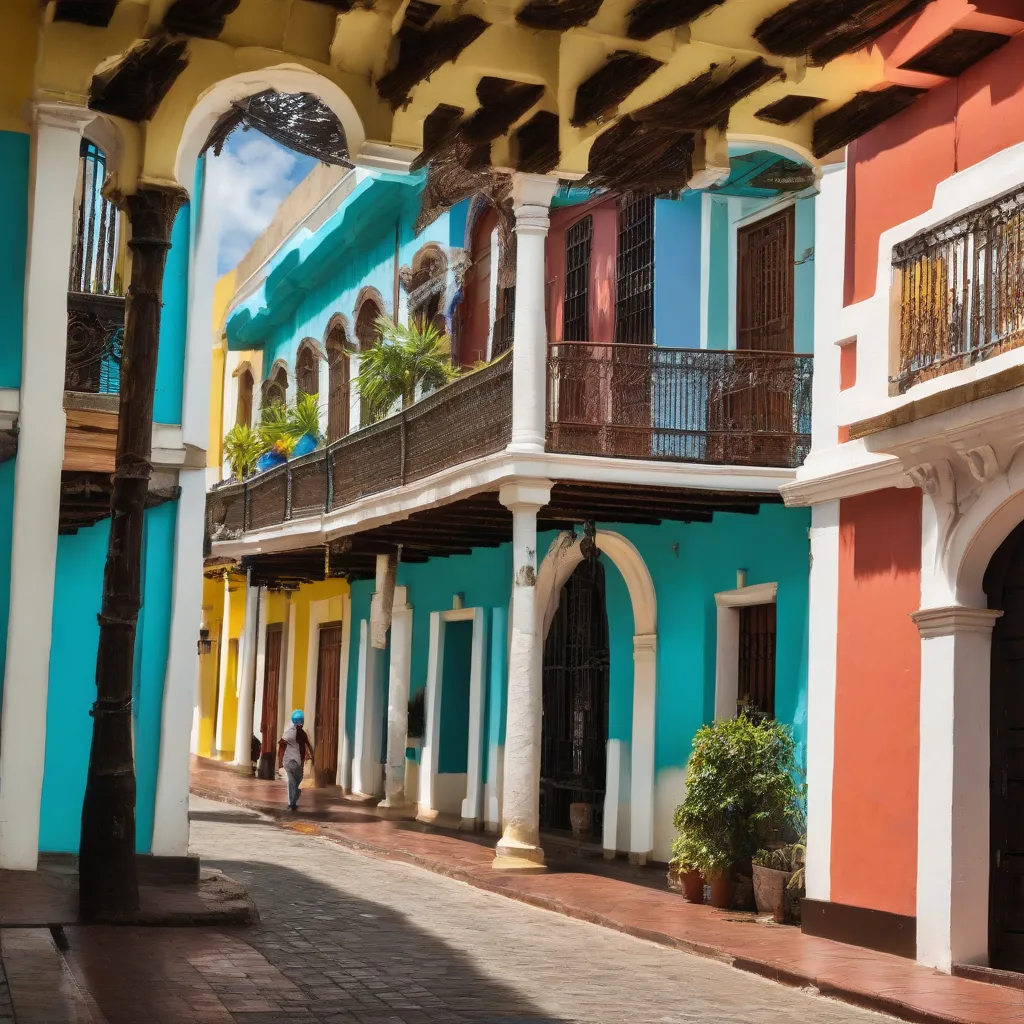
x,y
97,229
634,301
575,318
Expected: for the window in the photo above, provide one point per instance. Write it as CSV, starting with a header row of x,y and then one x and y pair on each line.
x,y
367,332
505,324
243,407
575,314
764,275
97,229
338,385
307,372
756,671
275,388
634,300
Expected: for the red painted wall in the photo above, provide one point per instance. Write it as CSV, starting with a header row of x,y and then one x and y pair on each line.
x,y
878,688
476,300
603,255
894,170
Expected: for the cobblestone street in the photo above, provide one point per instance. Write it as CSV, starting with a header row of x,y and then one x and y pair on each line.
x,y
347,938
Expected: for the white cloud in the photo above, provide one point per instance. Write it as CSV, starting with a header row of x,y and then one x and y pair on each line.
x,y
248,182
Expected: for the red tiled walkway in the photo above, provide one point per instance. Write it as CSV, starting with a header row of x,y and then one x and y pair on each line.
x,y
636,902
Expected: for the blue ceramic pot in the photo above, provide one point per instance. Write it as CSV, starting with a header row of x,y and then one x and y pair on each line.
x,y
305,444
270,460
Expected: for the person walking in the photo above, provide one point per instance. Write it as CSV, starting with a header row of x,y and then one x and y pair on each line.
x,y
292,752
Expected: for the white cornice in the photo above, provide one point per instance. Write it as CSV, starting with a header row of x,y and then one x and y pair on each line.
x,y
935,622
845,482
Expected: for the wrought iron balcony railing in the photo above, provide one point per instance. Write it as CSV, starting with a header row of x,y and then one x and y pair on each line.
x,y
734,408
95,339
626,401
961,291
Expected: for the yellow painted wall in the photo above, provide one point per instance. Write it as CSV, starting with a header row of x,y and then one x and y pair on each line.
x,y
19,44
213,603
304,688
223,292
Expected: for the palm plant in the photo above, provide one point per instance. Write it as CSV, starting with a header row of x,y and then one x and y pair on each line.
x,y
242,447
304,419
407,358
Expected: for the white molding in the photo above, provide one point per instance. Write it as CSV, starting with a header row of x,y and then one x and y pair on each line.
x,y
845,481
399,682
385,156
727,650
432,715
936,622
473,805
366,773
490,473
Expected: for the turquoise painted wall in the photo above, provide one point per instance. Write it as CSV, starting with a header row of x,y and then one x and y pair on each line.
x,y
170,370
455,672
72,686
689,564
803,277
677,279
718,284
14,159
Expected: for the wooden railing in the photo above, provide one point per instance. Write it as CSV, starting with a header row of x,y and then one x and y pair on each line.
x,y
95,339
961,291
469,418
734,408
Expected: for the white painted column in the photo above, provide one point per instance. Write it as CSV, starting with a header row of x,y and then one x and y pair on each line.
x,y
432,716
56,142
645,689
953,789
366,755
261,663
531,198
247,676
821,696
398,701
224,685
284,676
170,816
519,847
473,804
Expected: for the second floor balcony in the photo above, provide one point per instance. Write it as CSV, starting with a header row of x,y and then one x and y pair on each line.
x,y
633,402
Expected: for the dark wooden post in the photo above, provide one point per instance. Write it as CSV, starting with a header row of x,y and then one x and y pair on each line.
x,y
108,888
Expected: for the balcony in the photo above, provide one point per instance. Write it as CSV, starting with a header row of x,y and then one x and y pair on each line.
x,y
622,401
960,293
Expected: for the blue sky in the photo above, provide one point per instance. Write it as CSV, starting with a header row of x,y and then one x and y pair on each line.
x,y
249,179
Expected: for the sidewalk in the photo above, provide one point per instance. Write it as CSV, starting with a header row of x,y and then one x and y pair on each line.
x,y
637,902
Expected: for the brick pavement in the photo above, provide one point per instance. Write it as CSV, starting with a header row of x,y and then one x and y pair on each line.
x,y
637,903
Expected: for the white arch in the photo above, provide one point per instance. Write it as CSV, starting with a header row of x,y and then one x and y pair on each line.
x,y
289,78
564,555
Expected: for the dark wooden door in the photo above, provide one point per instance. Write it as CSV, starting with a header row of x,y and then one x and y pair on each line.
x,y
764,284
574,732
328,680
756,675
1005,587
271,685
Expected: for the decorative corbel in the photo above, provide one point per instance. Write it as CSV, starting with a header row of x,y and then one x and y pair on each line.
x,y
938,481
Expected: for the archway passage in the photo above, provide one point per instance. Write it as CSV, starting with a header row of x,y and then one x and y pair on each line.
x,y
576,682
1004,584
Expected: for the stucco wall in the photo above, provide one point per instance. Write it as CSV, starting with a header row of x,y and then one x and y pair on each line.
x,y
877,711
14,169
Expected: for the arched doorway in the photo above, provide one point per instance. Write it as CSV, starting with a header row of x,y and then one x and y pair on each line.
x,y
574,732
1004,585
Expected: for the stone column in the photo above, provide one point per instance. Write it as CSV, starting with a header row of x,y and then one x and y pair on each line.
x,y
953,789
531,198
395,798
519,847
247,675
55,151
224,696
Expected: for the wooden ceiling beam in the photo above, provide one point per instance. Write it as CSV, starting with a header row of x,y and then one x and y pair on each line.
x,y
135,87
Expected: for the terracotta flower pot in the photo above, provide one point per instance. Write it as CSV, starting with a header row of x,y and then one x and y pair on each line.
x,y
721,890
581,818
693,886
770,891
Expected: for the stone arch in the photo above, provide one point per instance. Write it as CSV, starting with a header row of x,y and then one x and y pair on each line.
x,y
191,130
275,385
338,332
564,555
308,357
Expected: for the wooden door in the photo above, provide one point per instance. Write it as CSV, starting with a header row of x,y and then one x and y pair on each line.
x,y
476,303
764,284
1005,587
271,685
328,680
756,669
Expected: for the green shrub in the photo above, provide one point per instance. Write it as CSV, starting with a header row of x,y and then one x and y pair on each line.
x,y
741,793
242,447
305,417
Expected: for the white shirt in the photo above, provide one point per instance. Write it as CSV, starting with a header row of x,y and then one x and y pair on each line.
x,y
292,752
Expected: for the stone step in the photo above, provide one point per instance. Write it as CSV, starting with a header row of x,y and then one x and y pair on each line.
x,y
42,988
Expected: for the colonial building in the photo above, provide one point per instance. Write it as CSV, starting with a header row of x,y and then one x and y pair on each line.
x,y
915,771
648,420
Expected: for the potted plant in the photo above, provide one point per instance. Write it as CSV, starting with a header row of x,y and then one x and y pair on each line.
x,y
796,889
684,877
242,449
771,878
407,359
304,425
741,793
275,436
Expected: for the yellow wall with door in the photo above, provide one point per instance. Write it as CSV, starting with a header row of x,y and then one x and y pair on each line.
x,y
303,687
